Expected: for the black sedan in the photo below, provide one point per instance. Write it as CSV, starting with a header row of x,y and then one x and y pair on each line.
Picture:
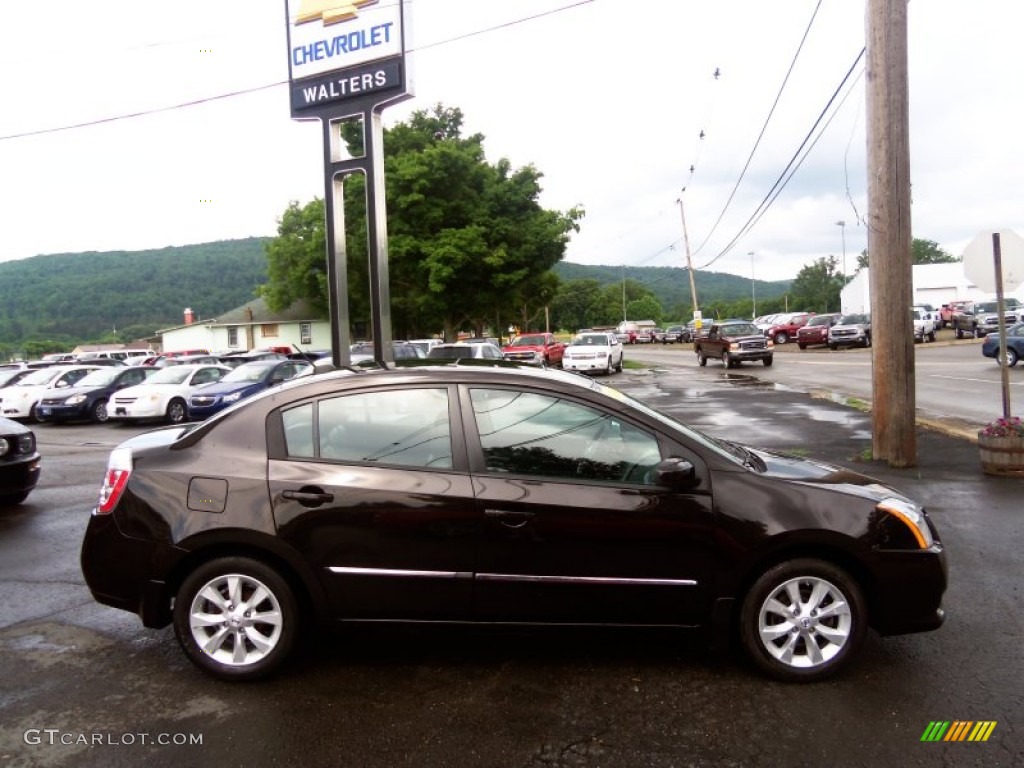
x,y
19,462
88,398
1014,345
497,495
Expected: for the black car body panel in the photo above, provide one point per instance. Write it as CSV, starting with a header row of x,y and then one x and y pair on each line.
x,y
19,461
448,526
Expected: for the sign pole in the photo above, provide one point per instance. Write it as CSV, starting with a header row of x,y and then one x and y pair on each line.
x,y
997,257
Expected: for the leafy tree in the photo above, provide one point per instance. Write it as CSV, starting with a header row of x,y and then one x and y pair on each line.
x,y
296,267
817,286
921,252
468,242
646,308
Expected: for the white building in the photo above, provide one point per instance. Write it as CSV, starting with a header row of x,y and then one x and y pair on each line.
x,y
251,326
934,284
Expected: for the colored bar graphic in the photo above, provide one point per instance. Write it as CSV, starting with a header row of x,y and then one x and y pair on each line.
x,y
958,730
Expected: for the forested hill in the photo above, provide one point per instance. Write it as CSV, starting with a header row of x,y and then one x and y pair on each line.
x,y
671,285
86,296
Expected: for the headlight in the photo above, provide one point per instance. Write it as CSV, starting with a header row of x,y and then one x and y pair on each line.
x,y
910,515
232,397
26,443
75,400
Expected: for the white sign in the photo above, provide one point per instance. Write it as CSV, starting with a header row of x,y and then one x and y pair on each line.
x,y
979,261
328,35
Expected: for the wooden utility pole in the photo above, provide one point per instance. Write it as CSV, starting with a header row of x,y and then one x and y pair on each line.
x,y
689,261
889,234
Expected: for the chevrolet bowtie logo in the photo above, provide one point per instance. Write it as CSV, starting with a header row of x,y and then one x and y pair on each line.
x,y
331,11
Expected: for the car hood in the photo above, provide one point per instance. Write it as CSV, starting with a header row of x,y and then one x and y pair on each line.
x,y
12,427
71,391
820,473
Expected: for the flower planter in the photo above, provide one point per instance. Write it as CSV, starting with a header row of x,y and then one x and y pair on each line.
x,y
1002,456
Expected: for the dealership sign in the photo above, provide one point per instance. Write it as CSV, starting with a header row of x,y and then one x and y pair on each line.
x,y
342,51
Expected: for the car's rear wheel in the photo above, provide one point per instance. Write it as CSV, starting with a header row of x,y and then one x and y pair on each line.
x,y
236,618
176,411
803,620
99,412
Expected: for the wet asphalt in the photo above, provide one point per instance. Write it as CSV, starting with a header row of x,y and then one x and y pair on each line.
x,y
71,669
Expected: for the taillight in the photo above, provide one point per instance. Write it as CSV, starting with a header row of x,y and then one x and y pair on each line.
x,y
119,468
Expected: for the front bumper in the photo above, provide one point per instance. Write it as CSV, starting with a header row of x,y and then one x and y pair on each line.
x,y
586,364
19,475
910,590
62,412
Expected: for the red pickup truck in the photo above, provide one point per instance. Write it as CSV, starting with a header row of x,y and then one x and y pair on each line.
x,y
535,349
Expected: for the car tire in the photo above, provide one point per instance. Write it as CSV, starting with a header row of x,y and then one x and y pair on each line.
x,y
781,337
867,340
247,644
618,366
176,411
959,333
608,367
701,360
99,413
802,346
767,361
931,336
803,620
726,362
833,347
1011,357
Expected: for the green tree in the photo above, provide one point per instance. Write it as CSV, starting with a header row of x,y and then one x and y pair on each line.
x,y
921,252
817,286
645,308
469,244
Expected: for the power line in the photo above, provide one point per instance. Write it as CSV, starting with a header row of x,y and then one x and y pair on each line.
x,y
783,179
764,128
257,89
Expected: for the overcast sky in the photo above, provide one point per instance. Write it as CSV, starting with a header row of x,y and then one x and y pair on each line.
x,y
607,98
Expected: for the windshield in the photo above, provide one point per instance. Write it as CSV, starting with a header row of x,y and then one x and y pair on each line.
x,y
42,376
590,340
529,341
99,378
174,374
854,320
740,329
988,306
248,372
819,320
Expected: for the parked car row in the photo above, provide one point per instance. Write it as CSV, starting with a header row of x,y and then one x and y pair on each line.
x,y
172,394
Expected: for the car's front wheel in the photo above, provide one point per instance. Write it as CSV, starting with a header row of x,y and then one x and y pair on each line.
x,y
767,361
236,618
803,620
726,362
781,337
701,359
99,412
176,411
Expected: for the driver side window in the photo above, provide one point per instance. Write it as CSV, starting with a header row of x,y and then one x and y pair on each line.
x,y
525,433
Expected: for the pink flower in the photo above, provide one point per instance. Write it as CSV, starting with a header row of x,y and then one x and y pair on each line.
x,y
1011,427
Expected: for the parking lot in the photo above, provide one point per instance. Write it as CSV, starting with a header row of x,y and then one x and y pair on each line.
x,y
87,685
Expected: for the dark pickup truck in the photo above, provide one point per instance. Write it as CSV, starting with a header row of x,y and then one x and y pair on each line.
x,y
734,342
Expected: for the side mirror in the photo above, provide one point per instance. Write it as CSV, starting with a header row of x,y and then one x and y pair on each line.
x,y
676,473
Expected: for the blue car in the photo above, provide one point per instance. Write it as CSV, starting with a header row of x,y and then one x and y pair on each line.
x,y
243,381
1014,344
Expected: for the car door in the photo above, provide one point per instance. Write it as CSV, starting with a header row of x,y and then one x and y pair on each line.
x,y
372,489
574,526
